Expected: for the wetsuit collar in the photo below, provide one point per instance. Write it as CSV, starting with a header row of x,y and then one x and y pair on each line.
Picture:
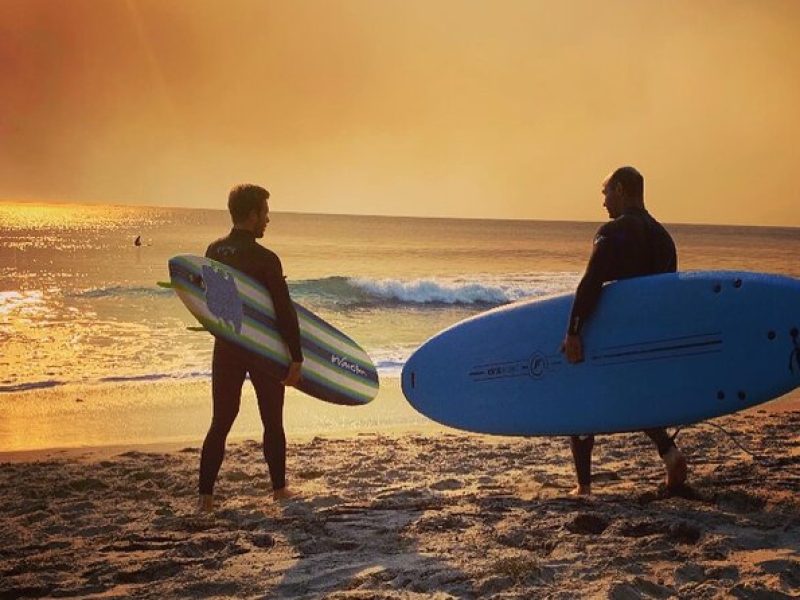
x,y
242,234
634,210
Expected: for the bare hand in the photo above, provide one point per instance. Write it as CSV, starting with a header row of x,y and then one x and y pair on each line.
x,y
573,348
293,374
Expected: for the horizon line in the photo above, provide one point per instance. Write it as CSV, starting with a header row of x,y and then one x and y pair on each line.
x,y
365,215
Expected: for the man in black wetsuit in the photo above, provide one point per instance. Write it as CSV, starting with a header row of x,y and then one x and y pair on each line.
x,y
250,215
632,244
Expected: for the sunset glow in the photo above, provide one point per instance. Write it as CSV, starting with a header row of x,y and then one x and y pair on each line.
x,y
515,109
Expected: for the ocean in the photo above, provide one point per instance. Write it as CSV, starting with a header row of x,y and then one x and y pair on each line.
x,y
81,315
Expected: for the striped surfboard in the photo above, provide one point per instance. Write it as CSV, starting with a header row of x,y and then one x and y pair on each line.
x,y
237,308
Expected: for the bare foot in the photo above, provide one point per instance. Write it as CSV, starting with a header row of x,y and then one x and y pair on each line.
x,y
676,468
284,494
205,504
582,490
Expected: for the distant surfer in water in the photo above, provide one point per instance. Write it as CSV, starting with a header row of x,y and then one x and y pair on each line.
x,y
137,241
250,214
632,244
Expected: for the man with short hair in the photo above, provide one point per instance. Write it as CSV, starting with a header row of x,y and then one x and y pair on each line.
x,y
249,211
632,244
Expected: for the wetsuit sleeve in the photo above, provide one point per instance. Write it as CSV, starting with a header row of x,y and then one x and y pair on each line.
x,y
598,271
285,313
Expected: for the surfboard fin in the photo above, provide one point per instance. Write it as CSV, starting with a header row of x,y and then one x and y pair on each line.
x,y
164,284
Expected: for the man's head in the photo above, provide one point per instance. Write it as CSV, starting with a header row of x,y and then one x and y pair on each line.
x,y
624,188
248,206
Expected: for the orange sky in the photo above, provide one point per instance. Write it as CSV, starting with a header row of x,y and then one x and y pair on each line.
x,y
506,109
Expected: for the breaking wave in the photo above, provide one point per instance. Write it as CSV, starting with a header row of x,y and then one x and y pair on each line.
x,y
483,291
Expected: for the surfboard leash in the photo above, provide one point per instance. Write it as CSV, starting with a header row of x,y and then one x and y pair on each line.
x,y
732,437
759,460
737,443
674,435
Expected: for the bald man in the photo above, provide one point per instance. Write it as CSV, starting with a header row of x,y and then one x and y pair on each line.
x,y
632,244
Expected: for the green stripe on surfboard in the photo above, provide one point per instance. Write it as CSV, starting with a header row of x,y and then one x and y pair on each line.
x,y
352,379
333,385
268,308
275,336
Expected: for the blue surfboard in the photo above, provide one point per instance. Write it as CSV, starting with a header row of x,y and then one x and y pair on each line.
x,y
233,306
660,351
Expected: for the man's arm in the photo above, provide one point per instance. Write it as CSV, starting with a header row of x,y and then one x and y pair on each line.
x,y
587,294
285,316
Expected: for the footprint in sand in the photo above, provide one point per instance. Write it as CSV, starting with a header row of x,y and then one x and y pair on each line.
x,y
587,524
639,588
309,474
787,570
447,484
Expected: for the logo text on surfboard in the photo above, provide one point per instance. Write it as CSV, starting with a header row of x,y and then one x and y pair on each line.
x,y
340,361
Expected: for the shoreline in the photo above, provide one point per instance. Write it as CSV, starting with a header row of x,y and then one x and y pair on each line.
x,y
176,412
152,415
96,453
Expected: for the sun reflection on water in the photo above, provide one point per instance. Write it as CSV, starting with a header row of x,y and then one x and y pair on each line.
x,y
23,304
22,216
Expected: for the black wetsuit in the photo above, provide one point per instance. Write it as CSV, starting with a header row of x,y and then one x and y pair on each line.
x,y
231,363
632,245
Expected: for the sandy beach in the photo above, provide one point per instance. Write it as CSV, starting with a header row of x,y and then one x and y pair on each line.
x,y
412,515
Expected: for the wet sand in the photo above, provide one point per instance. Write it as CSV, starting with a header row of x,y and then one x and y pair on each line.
x,y
413,515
